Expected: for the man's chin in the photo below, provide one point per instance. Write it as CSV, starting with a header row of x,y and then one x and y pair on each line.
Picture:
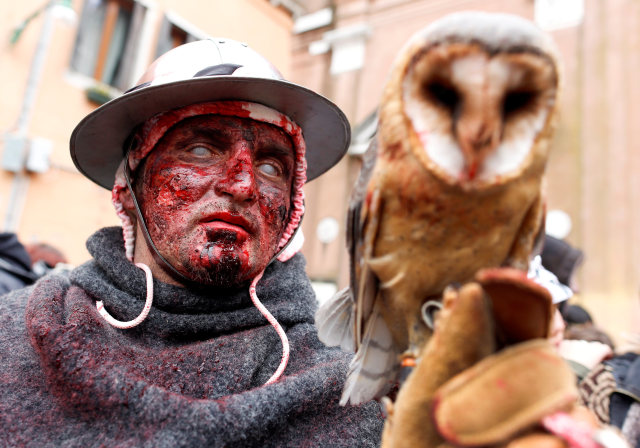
x,y
223,275
215,265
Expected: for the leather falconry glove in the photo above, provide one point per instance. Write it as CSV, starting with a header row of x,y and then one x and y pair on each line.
x,y
489,377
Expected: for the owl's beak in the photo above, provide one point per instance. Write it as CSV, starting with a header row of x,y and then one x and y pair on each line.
x,y
479,132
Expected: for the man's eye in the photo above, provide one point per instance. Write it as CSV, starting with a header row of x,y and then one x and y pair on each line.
x,y
270,168
200,151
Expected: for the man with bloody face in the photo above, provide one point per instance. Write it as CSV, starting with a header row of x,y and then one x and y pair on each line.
x,y
216,192
165,338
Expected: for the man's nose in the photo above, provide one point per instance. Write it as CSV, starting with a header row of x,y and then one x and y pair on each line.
x,y
238,179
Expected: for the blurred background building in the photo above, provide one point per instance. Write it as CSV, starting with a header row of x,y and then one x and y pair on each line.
x,y
60,59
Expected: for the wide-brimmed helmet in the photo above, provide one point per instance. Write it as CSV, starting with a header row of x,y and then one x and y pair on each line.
x,y
204,71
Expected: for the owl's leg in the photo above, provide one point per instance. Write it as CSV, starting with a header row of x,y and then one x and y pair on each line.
x,y
419,334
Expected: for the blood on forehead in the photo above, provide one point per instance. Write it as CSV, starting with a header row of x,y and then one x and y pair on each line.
x,y
155,127
225,129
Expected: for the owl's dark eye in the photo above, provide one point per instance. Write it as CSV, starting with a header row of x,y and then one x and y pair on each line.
x,y
442,94
517,101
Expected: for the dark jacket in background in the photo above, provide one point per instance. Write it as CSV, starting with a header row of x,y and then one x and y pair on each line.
x,y
612,391
15,264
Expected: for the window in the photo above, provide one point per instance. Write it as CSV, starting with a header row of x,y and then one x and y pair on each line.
x,y
107,42
176,31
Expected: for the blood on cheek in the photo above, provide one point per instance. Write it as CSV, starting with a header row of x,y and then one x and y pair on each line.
x,y
169,192
176,186
275,211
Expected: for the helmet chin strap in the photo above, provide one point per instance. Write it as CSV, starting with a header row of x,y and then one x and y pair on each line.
x,y
163,262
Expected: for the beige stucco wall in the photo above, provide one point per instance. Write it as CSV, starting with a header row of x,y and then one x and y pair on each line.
x,y
62,207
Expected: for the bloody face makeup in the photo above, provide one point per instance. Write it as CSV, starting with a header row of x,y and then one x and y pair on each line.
x,y
215,193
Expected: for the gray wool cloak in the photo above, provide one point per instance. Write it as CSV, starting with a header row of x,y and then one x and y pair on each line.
x,y
191,374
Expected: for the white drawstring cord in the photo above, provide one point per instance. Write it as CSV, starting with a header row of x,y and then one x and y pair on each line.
x,y
274,323
145,311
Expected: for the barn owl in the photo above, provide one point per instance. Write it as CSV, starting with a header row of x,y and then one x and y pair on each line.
x,y
451,184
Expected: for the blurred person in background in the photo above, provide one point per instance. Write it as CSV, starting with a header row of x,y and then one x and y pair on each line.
x,y
611,390
609,383
580,325
45,258
563,260
580,343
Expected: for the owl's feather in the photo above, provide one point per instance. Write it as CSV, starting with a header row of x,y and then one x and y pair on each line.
x,y
335,321
374,363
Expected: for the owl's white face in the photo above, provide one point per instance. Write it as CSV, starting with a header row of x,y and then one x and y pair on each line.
x,y
478,114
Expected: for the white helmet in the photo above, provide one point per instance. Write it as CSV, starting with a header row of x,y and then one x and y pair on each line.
x,y
203,71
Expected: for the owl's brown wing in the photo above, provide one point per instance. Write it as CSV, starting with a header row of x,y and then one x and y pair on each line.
x,y
363,283
351,318
375,363
335,319
358,196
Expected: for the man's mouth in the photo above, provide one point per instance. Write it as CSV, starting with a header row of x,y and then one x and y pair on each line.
x,y
222,224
